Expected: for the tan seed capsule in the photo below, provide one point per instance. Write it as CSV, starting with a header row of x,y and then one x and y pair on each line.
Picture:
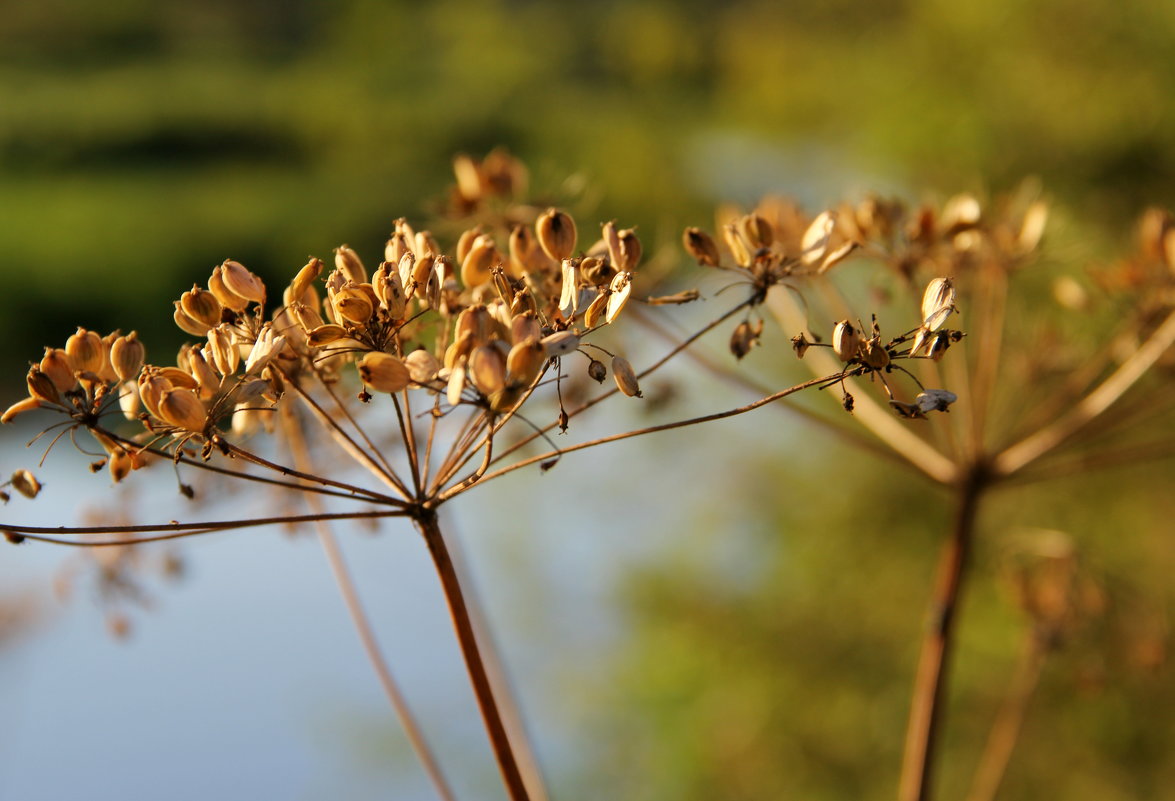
x,y
625,377
303,281
874,355
354,305
41,387
348,263
619,290
85,351
756,230
223,350
456,383
560,343
477,266
701,246
26,483
422,366
846,342
227,298
466,240
326,334
800,345
183,409
127,355
120,464
187,323
487,369
383,372
128,400
525,361
597,371
595,309
525,326
389,290
629,255
426,245
201,305
938,301
569,293
55,364
241,282
555,231
206,378
744,338
814,243
525,253
151,389
737,244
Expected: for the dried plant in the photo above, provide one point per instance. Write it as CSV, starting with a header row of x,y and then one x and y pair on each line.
x,y
1038,395
452,352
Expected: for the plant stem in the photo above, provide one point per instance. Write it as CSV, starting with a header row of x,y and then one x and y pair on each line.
x,y
930,680
463,625
1001,741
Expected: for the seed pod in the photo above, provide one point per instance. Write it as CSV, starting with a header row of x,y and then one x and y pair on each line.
x,y
469,178
422,366
383,372
303,281
737,244
1033,225
25,483
151,389
238,280
479,261
353,304
20,407
569,293
206,378
625,377
846,342
426,245
935,400
85,351
126,356
128,400
466,240
397,247
938,301
187,323
619,290
456,383
182,409
525,361
41,386
268,345
560,343
250,391
55,364
756,230
475,322
223,350
874,355
347,262
487,369
744,338
629,254
555,231
525,326
596,308
800,344
525,253
120,464
597,371
814,243
389,290
226,296
326,334
701,246
960,213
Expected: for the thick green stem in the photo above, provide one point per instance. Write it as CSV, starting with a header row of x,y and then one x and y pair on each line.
x,y
926,708
482,689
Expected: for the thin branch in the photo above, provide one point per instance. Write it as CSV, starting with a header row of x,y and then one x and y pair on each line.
x,y
408,433
288,471
1095,403
220,525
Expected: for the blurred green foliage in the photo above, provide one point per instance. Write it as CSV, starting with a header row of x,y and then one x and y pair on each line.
x,y
142,142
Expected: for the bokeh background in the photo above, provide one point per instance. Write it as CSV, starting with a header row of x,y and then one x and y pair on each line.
x,y
752,637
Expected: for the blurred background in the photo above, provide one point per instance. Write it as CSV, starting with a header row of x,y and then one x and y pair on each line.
x,y
739,644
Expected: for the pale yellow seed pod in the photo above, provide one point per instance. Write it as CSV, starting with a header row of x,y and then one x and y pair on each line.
x,y
595,309
86,351
756,230
241,282
426,244
303,281
406,268
128,399
479,261
206,379
560,343
737,244
524,252
396,248
555,231
525,361
525,326
187,323
938,301
26,483
325,335
383,372
456,383
55,364
469,178
620,289
183,409
701,246
227,297
178,377
201,305
625,377
814,243
127,355
223,350
151,389
569,294
487,369
874,355
474,321
422,366
846,342
354,305
348,263
466,240
389,290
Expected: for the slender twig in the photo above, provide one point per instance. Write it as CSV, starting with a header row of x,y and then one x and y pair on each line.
x,y
1001,740
1095,403
346,412
926,708
408,433
289,471
191,528
296,440
482,689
